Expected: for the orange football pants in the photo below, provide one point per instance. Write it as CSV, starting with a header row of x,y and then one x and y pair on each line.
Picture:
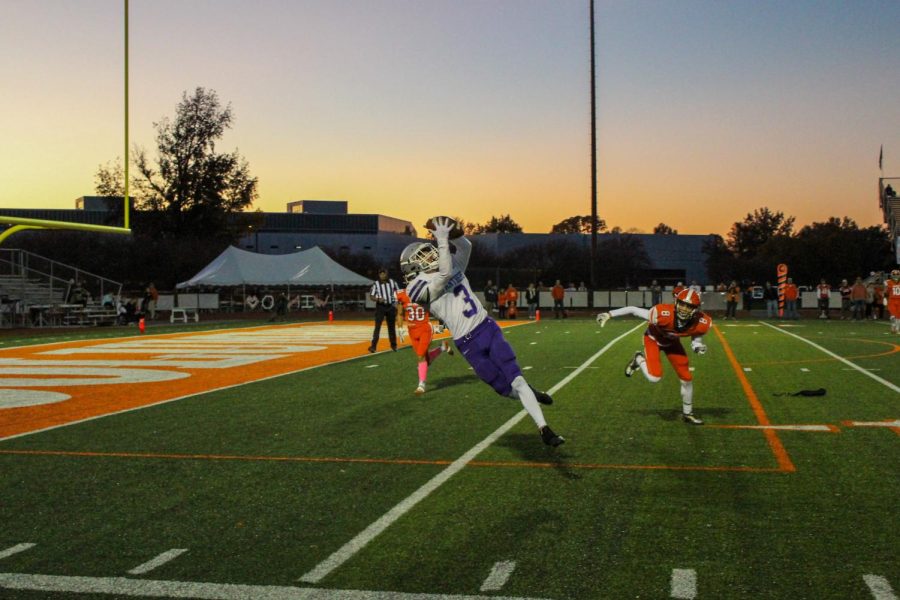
x,y
674,352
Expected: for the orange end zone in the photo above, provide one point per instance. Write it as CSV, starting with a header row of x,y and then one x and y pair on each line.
x,y
56,384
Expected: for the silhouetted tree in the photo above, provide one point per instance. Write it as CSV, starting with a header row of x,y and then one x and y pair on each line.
x,y
747,236
501,224
578,224
663,229
191,188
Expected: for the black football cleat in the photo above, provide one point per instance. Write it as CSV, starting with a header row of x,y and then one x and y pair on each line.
x,y
550,438
633,366
542,397
690,418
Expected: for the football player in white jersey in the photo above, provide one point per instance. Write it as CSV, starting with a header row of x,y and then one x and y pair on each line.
x,y
436,279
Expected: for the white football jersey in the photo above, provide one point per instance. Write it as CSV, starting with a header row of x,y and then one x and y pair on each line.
x,y
454,303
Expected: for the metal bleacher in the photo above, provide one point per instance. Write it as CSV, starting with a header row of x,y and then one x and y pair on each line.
x,y
34,289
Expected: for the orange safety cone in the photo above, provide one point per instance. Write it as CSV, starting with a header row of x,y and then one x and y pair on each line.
x,y
142,325
537,315
330,316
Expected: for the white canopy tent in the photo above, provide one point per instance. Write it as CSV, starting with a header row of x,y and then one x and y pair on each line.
x,y
306,268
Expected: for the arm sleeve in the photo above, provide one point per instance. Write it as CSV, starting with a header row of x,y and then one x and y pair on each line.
x,y
463,252
641,313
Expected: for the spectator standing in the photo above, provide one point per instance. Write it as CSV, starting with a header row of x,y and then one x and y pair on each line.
x,y
501,304
152,299
858,295
384,294
878,293
559,294
696,287
532,297
731,300
823,298
770,293
678,287
655,293
870,297
791,293
846,304
491,297
512,302
582,287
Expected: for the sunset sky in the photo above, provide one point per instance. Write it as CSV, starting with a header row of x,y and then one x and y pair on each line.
x,y
707,109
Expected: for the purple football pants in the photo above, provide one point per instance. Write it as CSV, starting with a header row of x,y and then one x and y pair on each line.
x,y
491,356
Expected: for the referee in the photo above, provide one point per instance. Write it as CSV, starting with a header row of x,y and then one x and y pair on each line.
x,y
384,294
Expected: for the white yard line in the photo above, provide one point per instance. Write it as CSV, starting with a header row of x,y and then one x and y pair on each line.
x,y
15,550
856,367
157,561
498,576
348,550
123,586
684,584
880,587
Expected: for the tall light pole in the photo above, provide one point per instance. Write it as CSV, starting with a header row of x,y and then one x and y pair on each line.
x,y
593,159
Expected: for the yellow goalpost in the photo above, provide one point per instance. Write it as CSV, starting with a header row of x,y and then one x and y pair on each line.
x,y
21,224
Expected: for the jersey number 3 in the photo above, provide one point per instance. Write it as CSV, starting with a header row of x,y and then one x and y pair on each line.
x,y
471,307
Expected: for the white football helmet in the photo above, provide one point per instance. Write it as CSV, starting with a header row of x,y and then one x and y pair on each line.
x,y
418,257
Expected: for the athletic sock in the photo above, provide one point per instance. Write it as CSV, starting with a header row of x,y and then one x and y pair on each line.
x,y
423,371
687,397
522,391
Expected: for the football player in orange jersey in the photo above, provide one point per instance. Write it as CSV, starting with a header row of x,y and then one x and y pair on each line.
x,y
667,324
892,299
418,327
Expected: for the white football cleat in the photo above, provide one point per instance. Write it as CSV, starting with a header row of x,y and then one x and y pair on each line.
x,y
420,390
446,347
602,318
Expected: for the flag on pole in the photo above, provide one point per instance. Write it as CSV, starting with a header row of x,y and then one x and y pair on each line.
x,y
880,157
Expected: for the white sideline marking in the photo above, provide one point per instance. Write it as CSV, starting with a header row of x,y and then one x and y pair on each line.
x,y
748,369
15,549
345,552
526,368
874,423
498,576
684,583
371,366
158,561
785,427
804,369
123,586
880,587
880,380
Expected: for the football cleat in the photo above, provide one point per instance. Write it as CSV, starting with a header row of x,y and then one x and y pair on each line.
x,y
446,347
602,318
634,365
420,389
550,438
542,397
690,418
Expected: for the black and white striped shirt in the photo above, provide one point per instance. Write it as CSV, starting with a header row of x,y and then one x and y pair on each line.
x,y
384,292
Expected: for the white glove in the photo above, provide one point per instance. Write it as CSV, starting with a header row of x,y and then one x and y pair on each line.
x,y
698,347
442,227
437,328
401,334
602,318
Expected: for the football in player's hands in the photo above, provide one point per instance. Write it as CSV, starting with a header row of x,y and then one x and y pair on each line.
x,y
455,231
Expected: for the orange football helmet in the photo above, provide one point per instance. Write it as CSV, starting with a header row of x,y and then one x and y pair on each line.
x,y
687,303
